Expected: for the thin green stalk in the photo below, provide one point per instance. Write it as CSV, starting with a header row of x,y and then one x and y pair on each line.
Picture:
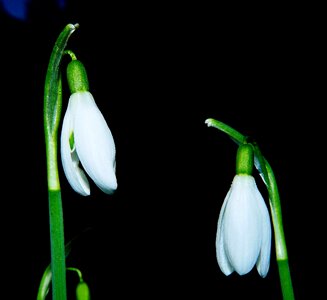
x,y
52,113
233,134
280,242
79,273
268,178
58,264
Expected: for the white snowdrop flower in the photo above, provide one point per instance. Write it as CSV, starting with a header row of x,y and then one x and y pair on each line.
x,y
244,230
87,143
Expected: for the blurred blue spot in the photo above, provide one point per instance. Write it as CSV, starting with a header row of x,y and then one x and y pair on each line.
x,y
19,8
61,3
16,8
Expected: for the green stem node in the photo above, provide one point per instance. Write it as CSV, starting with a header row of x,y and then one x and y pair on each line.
x,y
244,159
77,77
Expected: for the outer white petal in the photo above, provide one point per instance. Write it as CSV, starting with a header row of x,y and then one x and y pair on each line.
x,y
263,262
222,258
94,142
70,161
242,225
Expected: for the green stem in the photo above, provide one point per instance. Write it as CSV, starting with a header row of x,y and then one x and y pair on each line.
x,y
79,273
268,177
58,264
47,277
233,134
71,54
52,113
280,242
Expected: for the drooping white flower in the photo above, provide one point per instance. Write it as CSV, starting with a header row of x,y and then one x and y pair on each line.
x,y
244,230
87,140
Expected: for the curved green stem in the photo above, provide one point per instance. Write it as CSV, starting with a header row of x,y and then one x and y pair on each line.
x,y
268,178
79,273
52,113
71,54
233,134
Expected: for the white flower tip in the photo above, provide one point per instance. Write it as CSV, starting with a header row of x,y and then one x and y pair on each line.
x,y
208,122
79,183
84,192
109,189
225,267
227,273
263,263
243,270
262,274
106,180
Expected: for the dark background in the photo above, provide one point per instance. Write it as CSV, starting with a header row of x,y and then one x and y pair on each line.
x,y
157,72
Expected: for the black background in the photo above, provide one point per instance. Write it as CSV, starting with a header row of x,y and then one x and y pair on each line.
x,y
157,72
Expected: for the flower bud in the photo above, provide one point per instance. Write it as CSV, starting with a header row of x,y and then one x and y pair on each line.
x,y
83,291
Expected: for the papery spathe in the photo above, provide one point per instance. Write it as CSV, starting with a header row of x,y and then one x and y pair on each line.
x,y
86,138
244,230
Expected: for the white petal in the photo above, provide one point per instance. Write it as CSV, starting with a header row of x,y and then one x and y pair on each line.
x,y
70,161
241,223
94,142
222,259
263,262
